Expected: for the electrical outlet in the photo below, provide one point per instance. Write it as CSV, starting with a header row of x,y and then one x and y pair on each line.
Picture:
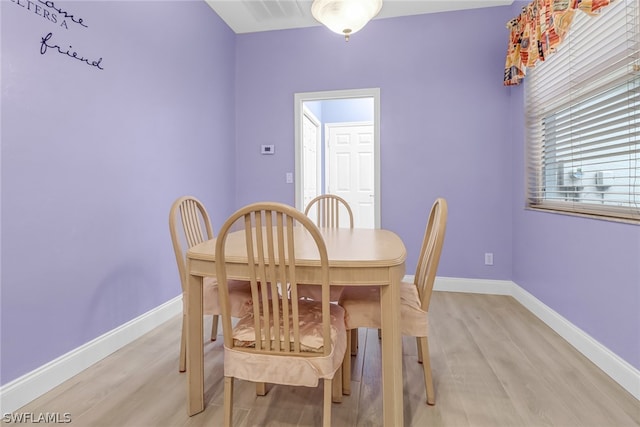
x,y
289,178
488,258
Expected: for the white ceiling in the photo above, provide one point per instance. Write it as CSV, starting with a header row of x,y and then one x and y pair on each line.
x,y
248,16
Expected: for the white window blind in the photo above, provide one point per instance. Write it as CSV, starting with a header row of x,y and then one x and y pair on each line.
x,y
583,118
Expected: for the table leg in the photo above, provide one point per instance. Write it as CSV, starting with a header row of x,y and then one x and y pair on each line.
x,y
195,349
392,394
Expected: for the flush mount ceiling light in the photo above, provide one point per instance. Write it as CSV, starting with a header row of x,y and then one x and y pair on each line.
x,y
345,16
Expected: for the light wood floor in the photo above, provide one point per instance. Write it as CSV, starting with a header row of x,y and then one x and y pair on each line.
x,y
494,364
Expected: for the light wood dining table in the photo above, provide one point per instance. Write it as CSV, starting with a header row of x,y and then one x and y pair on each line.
x,y
356,257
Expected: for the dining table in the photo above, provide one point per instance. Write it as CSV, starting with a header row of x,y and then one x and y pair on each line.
x,y
357,257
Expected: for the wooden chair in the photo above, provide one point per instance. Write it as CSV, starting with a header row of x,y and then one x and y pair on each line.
x,y
327,209
189,224
362,304
300,342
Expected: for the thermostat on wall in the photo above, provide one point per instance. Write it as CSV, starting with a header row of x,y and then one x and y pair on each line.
x,y
267,149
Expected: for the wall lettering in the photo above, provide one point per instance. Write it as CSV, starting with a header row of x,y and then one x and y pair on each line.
x,y
44,45
48,10
64,13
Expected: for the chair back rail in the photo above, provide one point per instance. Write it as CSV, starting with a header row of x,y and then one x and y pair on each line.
x,y
430,252
327,210
194,218
270,238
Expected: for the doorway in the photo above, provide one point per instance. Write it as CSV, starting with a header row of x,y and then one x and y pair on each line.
x,y
335,153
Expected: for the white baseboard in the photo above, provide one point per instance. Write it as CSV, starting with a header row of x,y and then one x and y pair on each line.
x,y
28,387
618,369
473,286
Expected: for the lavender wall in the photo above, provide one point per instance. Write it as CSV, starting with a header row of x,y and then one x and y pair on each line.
x,y
443,128
586,270
92,160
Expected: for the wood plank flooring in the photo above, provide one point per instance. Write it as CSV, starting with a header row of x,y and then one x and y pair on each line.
x,y
494,364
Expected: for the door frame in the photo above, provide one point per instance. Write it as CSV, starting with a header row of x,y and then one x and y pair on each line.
x,y
299,99
319,147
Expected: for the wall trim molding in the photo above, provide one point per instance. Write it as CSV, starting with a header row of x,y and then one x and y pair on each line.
x,y
473,286
610,363
34,384
29,387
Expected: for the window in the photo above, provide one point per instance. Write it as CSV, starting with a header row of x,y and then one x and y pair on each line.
x,y
583,118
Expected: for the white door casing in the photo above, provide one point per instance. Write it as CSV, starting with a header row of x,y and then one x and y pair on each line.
x,y
311,153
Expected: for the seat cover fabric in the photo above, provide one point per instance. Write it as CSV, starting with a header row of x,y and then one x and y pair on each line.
x,y
362,309
239,297
290,370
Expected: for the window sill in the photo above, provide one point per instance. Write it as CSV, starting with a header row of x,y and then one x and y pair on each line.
x,y
557,211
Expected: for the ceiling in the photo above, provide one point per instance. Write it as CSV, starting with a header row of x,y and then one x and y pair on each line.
x,y
248,16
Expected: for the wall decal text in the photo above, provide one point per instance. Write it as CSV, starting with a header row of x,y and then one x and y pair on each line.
x,y
42,8
44,45
64,13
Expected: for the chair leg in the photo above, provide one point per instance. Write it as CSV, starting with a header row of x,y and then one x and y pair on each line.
x,y
183,346
336,387
354,342
261,389
228,401
214,327
419,350
346,366
326,410
426,366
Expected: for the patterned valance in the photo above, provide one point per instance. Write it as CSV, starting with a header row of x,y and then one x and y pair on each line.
x,y
538,30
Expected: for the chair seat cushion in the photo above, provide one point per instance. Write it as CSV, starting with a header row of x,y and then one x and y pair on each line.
x,y
239,297
362,309
289,370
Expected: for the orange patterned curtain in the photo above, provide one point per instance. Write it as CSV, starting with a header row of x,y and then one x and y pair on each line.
x,y
538,30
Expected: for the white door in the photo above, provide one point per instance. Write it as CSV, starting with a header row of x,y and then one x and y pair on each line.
x,y
350,167
310,157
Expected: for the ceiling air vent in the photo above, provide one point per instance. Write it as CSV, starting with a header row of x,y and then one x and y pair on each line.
x,y
276,10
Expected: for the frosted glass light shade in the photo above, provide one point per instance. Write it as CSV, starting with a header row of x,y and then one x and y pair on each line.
x,y
345,16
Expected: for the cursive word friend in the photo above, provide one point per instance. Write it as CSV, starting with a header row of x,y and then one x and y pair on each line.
x,y
44,45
